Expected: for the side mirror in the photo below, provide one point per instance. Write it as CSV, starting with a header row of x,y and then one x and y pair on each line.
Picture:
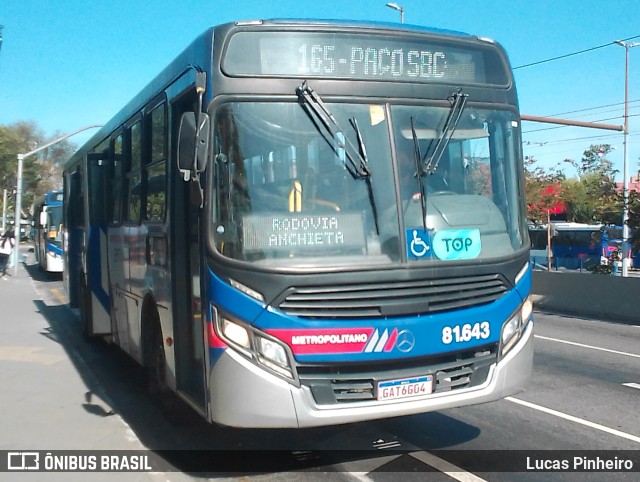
x,y
43,219
193,142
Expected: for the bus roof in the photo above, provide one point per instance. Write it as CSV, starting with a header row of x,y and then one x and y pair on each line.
x,y
355,24
568,226
192,56
51,197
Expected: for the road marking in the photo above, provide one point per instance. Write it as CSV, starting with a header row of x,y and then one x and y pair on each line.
x,y
59,295
446,468
632,385
587,346
358,469
571,418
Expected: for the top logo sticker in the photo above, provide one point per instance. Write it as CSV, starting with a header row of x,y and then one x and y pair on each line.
x,y
454,244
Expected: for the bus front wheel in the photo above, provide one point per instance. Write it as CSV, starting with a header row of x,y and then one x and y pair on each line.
x,y
155,365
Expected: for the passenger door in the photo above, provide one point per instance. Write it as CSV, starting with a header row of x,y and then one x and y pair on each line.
x,y
185,252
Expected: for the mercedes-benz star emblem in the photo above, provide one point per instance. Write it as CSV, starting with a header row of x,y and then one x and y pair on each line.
x,y
405,341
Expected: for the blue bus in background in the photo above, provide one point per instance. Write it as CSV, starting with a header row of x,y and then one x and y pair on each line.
x,y
575,245
47,239
260,227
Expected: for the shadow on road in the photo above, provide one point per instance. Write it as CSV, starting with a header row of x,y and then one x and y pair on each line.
x,y
115,384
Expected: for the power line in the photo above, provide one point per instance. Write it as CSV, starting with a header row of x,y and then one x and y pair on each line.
x,y
533,144
538,144
571,54
542,149
593,108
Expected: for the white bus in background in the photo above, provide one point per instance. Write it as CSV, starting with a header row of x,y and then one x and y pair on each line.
x,y
47,219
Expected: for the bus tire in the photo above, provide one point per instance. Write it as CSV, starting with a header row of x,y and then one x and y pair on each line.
x,y
156,366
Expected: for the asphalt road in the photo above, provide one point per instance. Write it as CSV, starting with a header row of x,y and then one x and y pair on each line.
x,y
584,396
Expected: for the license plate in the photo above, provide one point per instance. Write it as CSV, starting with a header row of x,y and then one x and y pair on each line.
x,y
405,388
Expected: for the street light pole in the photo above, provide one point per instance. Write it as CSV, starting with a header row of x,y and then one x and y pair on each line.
x,y
397,7
18,212
625,165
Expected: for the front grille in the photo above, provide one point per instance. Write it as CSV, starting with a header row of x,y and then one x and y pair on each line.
x,y
382,299
332,385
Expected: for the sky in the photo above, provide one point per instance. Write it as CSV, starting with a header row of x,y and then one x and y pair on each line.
x,y
67,64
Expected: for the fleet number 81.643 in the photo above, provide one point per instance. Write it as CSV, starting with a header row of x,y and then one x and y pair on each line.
x,y
466,332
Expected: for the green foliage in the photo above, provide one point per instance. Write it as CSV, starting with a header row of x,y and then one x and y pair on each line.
x,y
41,172
634,219
591,198
595,198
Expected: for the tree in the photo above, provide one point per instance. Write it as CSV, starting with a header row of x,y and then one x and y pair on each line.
x,y
634,217
543,190
593,197
9,145
41,173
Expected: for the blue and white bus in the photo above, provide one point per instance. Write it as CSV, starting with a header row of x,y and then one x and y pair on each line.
x,y
47,239
301,223
575,245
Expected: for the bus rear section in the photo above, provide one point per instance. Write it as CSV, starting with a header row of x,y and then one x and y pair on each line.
x,y
47,217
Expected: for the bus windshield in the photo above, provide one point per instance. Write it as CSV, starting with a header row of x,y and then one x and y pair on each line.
x,y
54,216
54,220
287,194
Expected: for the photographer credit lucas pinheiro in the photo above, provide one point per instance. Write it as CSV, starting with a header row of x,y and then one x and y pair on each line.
x,y
580,464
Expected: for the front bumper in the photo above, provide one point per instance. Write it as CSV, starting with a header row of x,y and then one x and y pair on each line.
x,y
244,395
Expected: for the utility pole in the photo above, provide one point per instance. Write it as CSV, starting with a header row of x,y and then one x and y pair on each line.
x,y
625,168
18,215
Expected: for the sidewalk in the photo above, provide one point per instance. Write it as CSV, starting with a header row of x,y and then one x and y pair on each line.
x,y
50,399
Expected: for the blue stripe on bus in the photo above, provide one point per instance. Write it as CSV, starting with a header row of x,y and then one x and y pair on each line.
x,y
54,249
431,334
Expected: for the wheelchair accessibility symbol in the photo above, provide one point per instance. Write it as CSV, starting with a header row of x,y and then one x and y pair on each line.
x,y
418,244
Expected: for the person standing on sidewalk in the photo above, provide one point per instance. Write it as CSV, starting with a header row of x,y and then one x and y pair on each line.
x,y
7,242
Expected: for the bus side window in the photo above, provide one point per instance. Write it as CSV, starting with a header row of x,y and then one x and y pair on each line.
x,y
117,181
156,170
135,174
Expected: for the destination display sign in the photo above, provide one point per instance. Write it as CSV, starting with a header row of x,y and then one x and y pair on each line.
x,y
361,57
55,196
303,232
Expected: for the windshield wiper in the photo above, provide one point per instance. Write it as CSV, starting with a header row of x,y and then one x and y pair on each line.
x,y
358,165
458,102
365,159
419,174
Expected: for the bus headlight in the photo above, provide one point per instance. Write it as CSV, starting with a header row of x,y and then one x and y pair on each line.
x,y
235,333
273,355
510,329
514,327
256,346
272,351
